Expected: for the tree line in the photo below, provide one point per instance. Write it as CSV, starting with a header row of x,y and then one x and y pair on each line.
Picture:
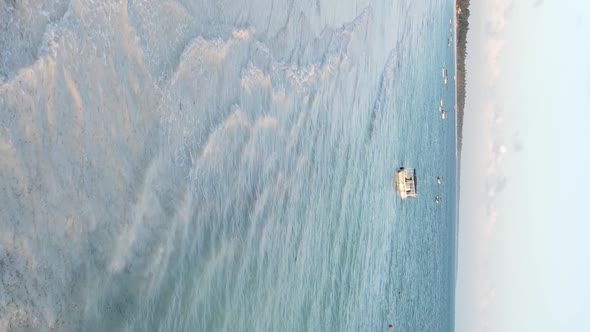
x,y
462,28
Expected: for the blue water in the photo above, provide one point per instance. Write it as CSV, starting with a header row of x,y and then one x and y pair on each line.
x,y
225,166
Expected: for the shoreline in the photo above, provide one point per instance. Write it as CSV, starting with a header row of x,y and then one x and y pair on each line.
x,y
461,15
457,152
461,29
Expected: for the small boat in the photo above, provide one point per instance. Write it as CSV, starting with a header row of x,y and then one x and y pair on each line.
x,y
443,114
438,180
405,182
437,199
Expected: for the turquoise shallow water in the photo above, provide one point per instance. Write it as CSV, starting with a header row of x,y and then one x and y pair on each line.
x,y
207,166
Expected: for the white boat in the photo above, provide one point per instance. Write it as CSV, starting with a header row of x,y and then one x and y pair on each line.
x,y
438,180
443,114
437,199
405,182
445,75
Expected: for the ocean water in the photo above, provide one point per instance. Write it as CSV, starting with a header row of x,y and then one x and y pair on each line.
x,y
225,165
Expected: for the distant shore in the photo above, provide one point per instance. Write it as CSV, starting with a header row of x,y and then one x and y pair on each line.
x,y
461,28
455,81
